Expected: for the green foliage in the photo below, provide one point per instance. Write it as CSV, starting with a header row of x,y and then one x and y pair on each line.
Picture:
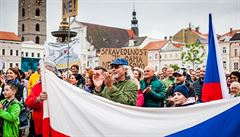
x,y
174,66
194,54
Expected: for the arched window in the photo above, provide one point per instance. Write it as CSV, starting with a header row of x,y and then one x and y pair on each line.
x,y
37,27
23,12
22,38
23,27
37,39
37,13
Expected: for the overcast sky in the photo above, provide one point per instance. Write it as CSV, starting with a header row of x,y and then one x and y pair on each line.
x,y
156,18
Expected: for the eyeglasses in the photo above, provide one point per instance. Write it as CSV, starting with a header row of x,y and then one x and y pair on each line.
x,y
115,66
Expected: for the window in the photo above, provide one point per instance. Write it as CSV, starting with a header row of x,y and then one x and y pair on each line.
x,y
23,27
235,52
3,51
224,64
156,68
38,55
170,55
11,52
37,27
26,54
17,64
32,54
37,13
165,56
11,65
23,12
16,52
150,57
224,50
176,55
235,67
22,38
156,56
22,53
37,40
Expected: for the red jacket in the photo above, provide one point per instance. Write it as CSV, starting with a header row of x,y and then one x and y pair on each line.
x,y
140,99
36,107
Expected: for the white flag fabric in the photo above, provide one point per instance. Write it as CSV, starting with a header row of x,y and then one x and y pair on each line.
x,y
74,112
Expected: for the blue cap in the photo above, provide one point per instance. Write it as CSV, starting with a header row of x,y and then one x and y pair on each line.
x,y
119,61
182,89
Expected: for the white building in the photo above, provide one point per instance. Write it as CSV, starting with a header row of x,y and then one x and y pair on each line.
x,y
171,54
31,50
10,50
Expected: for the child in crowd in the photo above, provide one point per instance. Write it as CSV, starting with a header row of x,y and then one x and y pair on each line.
x,y
10,109
181,95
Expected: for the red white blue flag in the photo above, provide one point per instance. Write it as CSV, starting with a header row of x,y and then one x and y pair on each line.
x,y
71,112
215,86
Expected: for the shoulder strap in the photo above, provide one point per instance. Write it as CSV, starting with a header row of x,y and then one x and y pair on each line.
x,y
6,104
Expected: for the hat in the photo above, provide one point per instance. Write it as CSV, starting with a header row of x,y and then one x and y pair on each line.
x,y
180,72
182,89
119,61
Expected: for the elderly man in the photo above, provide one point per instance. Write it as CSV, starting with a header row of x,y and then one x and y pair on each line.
x,y
118,85
153,89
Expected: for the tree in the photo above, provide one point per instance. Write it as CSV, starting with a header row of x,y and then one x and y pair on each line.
x,y
174,66
194,54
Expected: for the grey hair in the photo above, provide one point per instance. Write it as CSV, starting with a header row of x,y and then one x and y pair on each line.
x,y
237,84
129,73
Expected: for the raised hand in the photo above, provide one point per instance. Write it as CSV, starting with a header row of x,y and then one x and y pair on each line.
x,y
98,81
108,80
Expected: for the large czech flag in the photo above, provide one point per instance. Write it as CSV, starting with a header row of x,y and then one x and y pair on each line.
x,y
215,85
70,111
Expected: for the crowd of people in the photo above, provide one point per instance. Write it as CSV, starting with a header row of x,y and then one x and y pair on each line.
x,y
120,83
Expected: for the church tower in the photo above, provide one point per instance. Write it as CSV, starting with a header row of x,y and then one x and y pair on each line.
x,y
134,22
32,20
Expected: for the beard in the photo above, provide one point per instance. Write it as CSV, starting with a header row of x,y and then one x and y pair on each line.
x,y
116,76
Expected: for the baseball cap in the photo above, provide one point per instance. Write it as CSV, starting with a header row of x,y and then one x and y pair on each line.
x,y
119,61
179,72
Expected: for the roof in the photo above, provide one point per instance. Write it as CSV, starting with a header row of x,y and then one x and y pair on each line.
x,y
178,45
199,34
235,37
231,33
156,45
9,36
137,41
107,37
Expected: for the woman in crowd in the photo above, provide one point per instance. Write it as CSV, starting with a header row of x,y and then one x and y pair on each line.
x,y
12,76
138,75
235,89
235,76
89,86
75,80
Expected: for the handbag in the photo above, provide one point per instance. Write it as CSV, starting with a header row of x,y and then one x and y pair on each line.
x,y
24,118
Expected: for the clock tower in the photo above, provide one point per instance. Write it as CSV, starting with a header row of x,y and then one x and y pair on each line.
x,y
32,20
